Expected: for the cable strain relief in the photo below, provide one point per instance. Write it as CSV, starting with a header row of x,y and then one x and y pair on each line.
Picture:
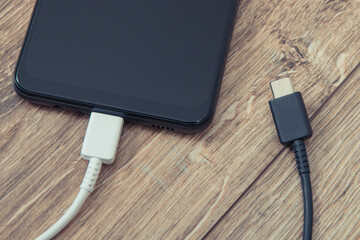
x,y
301,157
91,175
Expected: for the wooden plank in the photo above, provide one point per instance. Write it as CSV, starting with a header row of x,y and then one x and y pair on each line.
x,y
163,184
272,207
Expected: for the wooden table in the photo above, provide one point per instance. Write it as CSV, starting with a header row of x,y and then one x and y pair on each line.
x,y
232,181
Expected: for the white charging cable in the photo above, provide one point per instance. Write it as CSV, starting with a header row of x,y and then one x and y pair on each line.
x,y
99,147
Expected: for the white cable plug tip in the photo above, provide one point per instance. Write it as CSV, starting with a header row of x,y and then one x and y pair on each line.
x,y
102,137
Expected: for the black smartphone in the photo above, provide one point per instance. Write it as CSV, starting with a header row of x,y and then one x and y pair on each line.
x,y
157,62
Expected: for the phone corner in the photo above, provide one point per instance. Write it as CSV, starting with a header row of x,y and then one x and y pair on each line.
x,y
200,124
19,89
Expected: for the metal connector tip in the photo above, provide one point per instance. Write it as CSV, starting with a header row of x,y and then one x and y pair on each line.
x,y
282,87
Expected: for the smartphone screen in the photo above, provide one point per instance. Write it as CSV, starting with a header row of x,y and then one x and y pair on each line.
x,y
161,58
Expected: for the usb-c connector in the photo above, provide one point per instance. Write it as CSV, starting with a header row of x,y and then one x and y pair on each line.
x,y
282,87
289,112
102,137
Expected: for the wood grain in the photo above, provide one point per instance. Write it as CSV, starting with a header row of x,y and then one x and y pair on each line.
x,y
166,185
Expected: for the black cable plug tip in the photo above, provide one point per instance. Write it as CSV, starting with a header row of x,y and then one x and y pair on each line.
x,y
289,112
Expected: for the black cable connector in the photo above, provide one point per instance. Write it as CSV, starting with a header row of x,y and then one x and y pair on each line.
x,y
293,127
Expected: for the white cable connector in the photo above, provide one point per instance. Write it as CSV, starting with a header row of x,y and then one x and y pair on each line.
x,y
99,147
102,137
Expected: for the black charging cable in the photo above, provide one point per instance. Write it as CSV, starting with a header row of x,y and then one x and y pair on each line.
x,y
293,127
